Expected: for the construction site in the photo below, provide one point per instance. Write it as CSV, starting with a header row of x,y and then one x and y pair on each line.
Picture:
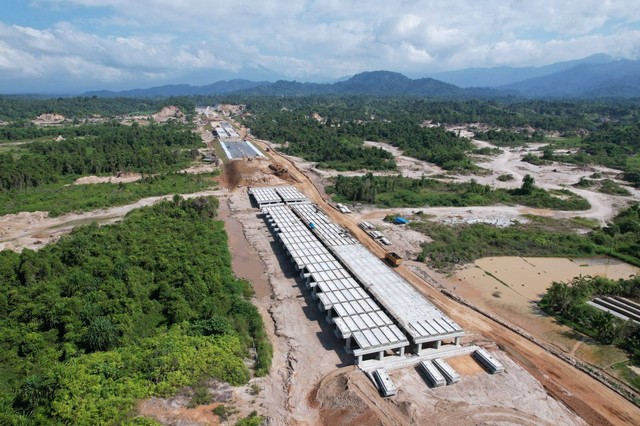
x,y
355,342
362,333
360,339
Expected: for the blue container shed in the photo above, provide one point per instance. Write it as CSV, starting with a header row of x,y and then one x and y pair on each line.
x,y
400,220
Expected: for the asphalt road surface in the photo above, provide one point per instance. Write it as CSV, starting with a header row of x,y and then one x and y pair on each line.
x,y
240,149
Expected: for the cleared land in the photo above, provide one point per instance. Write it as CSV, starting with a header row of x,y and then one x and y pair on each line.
x,y
303,339
596,403
311,381
511,287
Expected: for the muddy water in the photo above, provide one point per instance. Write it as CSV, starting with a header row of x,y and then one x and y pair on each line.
x,y
530,277
245,261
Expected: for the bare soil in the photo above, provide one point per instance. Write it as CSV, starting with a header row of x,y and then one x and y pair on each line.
x,y
299,335
510,287
169,412
34,230
594,402
169,113
513,397
120,178
554,176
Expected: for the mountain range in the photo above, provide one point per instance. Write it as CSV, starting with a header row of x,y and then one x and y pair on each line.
x,y
594,77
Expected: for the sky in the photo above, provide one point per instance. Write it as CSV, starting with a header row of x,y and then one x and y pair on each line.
x,y
70,46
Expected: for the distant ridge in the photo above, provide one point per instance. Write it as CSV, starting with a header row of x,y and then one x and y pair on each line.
x,y
597,76
218,88
501,76
619,79
375,83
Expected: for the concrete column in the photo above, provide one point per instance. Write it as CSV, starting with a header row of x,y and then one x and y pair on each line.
x,y
458,341
359,359
438,343
380,355
348,343
418,348
402,351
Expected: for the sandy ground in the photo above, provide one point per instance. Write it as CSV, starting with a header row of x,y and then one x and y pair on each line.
x,y
409,166
120,178
35,230
595,403
513,397
516,285
129,177
479,398
555,176
167,113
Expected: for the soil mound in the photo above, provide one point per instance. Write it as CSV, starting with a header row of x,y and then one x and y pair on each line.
x,y
167,113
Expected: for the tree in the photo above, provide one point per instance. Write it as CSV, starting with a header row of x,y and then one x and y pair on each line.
x,y
101,335
528,185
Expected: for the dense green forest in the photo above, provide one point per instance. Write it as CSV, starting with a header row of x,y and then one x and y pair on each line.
x,y
433,144
313,125
568,301
99,149
27,108
539,237
562,116
399,191
116,313
331,147
60,198
340,145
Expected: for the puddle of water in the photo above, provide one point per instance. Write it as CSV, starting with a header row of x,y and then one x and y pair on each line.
x,y
245,261
530,277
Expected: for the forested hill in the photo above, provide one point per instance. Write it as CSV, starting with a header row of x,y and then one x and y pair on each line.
x,y
217,88
372,83
617,79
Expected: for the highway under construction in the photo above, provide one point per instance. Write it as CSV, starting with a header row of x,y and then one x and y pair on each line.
x,y
375,311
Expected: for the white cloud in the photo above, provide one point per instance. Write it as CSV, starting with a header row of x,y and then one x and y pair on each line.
x,y
164,39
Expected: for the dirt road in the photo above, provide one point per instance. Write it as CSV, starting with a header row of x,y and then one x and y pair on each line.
x,y
589,398
34,230
509,162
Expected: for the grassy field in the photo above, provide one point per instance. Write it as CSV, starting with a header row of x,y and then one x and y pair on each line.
x,y
62,198
633,163
573,142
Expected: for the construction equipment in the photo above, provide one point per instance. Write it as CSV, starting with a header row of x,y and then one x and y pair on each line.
x,y
393,258
278,169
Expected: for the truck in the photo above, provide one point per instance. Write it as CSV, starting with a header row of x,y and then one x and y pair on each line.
x,y
393,258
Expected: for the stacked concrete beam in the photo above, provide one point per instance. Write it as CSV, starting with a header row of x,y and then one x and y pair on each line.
x,y
488,361
434,375
417,317
359,320
447,371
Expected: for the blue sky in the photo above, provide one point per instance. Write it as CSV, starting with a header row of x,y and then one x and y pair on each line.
x,y
70,46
